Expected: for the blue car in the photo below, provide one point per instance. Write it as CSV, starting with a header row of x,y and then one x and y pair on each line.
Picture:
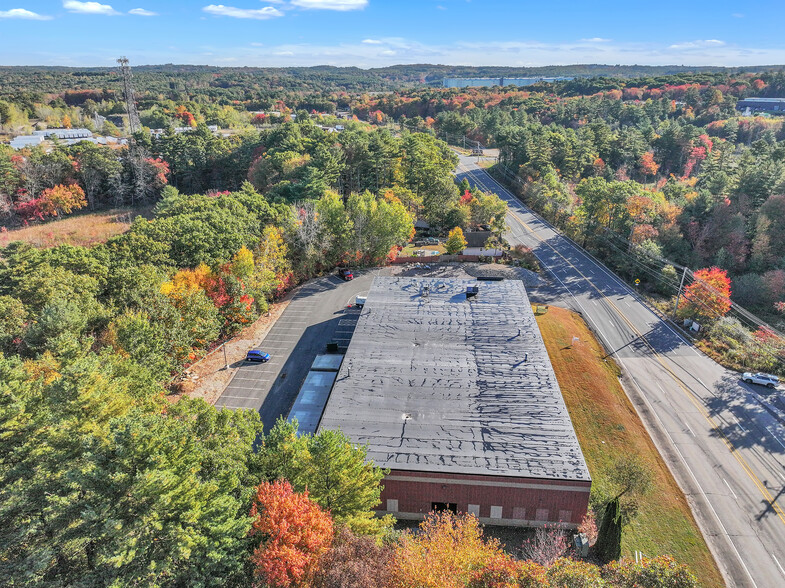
x,y
256,355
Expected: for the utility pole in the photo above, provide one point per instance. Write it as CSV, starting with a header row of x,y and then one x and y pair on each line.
x,y
678,296
130,101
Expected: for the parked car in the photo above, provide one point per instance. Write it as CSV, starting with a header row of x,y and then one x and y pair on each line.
x,y
345,274
431,241
257,355
761,379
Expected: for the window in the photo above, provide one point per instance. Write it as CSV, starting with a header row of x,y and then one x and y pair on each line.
x,y
474,509
542,514
496,512
392,505
440,506
519,512
565,516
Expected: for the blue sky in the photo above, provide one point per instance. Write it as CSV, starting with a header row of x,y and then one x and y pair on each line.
x,y
371,33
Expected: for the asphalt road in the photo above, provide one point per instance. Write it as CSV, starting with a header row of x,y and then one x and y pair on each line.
x,y
317,314
725,450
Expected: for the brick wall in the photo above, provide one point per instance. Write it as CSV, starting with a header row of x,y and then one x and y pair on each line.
x,y
519,501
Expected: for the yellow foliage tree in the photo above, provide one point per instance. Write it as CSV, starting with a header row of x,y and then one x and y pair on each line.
x,y
455,241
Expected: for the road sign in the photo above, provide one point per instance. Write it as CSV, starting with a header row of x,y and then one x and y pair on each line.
x,y
637,282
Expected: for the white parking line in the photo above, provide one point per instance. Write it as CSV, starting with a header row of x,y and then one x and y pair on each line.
x,y
778,564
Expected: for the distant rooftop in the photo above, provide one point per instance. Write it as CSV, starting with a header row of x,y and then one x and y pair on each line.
x,y
432,381
782,100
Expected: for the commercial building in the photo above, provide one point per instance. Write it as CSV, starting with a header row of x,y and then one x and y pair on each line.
x,y
449,385
488,82
776,105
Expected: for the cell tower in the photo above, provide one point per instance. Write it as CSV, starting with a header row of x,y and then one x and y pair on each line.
x,y
130,100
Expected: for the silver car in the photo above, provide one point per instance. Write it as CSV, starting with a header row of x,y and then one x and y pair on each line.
x,y
761,379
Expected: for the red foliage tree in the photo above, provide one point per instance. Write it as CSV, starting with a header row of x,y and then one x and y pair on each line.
x,y
294,531
188,119
709,294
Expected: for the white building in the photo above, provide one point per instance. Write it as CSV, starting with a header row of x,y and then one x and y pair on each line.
x,y
64,133
23,141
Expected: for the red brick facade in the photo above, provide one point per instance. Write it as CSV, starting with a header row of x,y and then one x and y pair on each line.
x,y
497,500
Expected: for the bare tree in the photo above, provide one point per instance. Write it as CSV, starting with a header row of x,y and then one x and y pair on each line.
x,y
547,545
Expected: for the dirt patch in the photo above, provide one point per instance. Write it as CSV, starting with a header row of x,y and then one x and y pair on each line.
x,y
467,271
208,378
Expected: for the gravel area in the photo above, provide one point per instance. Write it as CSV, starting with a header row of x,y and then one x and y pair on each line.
x,y
470,270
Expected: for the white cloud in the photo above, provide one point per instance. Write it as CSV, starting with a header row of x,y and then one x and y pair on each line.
x,y
142,12
701,44
342,5
89,8
372,41
23,14
260,14
596,40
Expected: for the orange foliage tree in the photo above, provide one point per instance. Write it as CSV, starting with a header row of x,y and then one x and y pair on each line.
x,y
709,295
62,198
294,532
648,166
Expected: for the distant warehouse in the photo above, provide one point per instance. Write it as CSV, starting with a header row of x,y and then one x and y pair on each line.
x,y
487,82
457,396
750,105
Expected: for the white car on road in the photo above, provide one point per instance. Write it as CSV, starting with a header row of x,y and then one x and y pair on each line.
x,y
762,379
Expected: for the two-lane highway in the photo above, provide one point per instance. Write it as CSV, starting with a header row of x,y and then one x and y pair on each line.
x,y
725,450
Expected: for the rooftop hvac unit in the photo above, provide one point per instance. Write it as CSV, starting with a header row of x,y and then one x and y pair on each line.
x,y
472,291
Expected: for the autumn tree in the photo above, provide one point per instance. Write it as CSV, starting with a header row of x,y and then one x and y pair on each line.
x,y
447,552
647,165
657,572
293,534
62,199
455,241
355,561
708,295
335,471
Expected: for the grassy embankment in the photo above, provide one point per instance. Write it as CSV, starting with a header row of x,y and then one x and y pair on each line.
x,y
608,428
83,229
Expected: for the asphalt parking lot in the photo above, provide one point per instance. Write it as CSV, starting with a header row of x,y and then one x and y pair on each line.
x,y
316,315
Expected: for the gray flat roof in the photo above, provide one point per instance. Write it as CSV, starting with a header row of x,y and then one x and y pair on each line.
x,y
440,383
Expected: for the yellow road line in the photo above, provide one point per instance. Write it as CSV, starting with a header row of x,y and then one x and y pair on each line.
x,y
688,393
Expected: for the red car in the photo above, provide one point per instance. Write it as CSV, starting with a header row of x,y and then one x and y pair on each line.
x,y
345,274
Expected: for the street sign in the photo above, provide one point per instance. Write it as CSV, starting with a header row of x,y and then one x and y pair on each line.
x,y
637,282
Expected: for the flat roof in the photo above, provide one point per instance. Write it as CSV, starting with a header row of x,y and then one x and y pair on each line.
x,y
432,381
